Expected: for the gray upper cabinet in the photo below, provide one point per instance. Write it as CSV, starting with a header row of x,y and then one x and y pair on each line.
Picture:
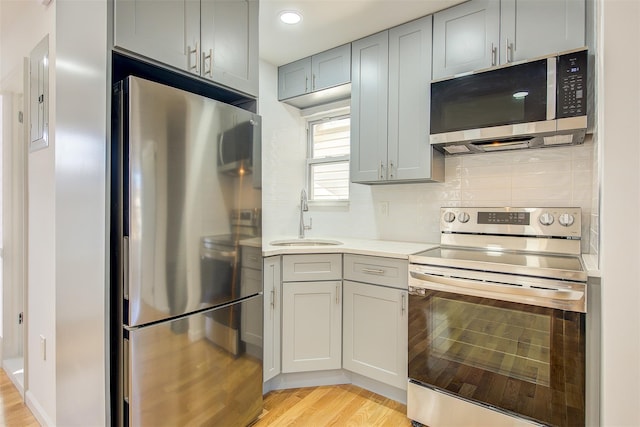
x,y
369,102
465,37
229,34
523,37
391,75
317,79
165,31
482,33
294,79
214,39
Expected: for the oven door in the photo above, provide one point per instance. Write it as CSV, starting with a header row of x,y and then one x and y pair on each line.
x,y
521,359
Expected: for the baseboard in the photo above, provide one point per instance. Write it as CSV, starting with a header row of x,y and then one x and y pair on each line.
x,y
38,412
334,377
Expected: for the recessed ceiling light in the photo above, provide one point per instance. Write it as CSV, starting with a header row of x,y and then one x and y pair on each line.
x,y
290,17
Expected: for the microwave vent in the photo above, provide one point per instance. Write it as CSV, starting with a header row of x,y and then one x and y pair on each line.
x,y
558,139
511,144
456,149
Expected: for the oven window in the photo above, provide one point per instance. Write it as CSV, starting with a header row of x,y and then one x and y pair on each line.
x,y
500,340
523,359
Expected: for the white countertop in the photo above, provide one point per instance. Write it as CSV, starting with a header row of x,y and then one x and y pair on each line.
x,y
382,248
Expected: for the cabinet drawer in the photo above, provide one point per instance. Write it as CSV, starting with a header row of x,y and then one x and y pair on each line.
x,y
252,257
302,268
380,271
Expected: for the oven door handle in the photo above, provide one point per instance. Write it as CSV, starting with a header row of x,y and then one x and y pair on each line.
x,y
458,285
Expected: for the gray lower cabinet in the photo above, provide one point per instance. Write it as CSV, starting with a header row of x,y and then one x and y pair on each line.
x,y
479,34
311,312
375,318
375,332
214,39
272,285
390,92
311,326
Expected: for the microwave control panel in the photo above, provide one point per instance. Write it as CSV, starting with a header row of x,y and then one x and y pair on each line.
x,y
572,85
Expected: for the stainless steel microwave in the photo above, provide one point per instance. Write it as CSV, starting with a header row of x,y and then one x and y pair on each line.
x,y
236,148
537,103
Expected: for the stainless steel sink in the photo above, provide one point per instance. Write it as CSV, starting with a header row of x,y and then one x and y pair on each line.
x,y
305,242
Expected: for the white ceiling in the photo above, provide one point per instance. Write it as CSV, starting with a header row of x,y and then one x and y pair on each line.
x,y
330,23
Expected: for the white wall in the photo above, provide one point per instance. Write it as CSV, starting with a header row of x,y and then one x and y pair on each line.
x,y
80,212
619,130
559,176
23,25
66,213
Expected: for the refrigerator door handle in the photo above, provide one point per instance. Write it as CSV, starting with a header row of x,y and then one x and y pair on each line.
x,y
126,368
125,268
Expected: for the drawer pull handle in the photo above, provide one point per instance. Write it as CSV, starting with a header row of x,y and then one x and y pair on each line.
x,y
373,271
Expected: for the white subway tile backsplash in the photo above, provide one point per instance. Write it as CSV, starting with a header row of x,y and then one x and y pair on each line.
x,y
558,176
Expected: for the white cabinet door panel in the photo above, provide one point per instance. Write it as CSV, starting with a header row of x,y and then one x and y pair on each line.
x,y
161,30
466,38
272,311
375,332
369,102
230,43
409,150
311,326
331,68
523,37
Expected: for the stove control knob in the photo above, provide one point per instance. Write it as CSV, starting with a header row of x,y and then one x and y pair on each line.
x,y
449,216
566,219
463,217
546,219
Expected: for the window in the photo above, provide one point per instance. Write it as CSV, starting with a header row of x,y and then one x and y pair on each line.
x,y
328,159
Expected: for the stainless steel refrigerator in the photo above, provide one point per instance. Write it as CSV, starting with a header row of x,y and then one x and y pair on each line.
x,y
186,340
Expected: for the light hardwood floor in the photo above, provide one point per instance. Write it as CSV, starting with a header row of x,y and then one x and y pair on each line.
x,y
13,411
341,405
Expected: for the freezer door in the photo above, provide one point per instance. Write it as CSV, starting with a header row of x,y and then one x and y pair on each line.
x,y
204,369
174,195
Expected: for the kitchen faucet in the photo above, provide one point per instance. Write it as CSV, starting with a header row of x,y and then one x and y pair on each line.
x,y
304,206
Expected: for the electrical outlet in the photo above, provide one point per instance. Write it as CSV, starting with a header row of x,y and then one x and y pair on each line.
x,y
43,347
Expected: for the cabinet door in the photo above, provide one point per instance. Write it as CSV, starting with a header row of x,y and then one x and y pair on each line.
x,y
524,37
272,303
409,150
331,68
311,326
294,79
369,102
167,31
466,37
375,332
251,328
230,43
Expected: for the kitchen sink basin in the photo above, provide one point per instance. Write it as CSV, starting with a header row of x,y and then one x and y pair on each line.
x,y
305,242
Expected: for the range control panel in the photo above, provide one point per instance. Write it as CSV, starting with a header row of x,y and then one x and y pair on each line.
x,y
541,222
572,85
